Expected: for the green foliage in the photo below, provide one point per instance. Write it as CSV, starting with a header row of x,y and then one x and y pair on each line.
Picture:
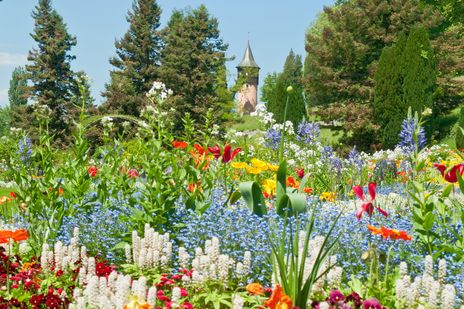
x,y
4,121
18,92
419,71
193,66
405,78
453,10
291,76
459,135
268,87
50,69
136,61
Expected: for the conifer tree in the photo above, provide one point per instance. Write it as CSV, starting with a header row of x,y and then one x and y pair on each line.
x,y
419,79
459,135
50,69
191,62
137,60
291,76
18,92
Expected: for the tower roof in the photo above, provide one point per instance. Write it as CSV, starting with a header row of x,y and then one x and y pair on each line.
x,y
248,61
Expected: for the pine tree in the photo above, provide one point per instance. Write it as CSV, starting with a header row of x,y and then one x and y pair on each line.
x,y
17,93
137,60
191,62
419,79
291,76
50,68
459,135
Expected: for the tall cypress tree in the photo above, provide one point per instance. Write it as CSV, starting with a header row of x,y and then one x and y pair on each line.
x,y
17,93
419,71
50,68
137,60
291,76
191,62
389,108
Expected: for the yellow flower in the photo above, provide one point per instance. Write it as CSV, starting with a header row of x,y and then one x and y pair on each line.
x,y
259,164
239,164
272,167
269,186
253,170
327,197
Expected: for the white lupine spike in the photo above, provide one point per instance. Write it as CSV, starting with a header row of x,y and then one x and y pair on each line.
x,y
141,292
176,295
164,261
237,302
151,296
448,297
441,271
76,233
428,265
91,266
112,279
399,289
127,251
239,270
92,291
44,257
247,262
434,295
82,276
142,257
156,258
58,255
403,269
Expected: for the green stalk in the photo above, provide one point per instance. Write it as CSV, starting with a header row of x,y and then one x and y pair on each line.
x,y
282,142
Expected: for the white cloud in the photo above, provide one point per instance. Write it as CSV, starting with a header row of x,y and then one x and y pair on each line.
x,y
3,97
11,59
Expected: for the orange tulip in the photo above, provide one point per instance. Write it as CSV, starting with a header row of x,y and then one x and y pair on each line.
x,y
255,289
18,235
5,236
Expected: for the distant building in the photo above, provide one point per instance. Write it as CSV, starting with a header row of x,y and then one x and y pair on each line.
x,y
247,97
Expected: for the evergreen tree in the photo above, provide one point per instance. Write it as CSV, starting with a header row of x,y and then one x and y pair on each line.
x,y
137,60
419,80
389,108
191,63
50,69
459,135
405,78
291,76
268,88
82,92
17,93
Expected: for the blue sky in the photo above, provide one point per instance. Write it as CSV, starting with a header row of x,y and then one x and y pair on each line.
x,y
275,27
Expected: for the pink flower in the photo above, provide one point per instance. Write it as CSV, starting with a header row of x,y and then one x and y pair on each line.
x,y
372,303
368,205
132,173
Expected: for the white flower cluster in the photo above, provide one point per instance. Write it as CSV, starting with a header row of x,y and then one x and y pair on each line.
x,y
107,122
288,127
113,292
159,91
425,289
210,264
63,257
152,251
264,116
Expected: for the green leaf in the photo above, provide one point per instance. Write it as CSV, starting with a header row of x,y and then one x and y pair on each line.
x,y
428,221
446,192
460,181
282,204
235,197
281,181
253,197
297,202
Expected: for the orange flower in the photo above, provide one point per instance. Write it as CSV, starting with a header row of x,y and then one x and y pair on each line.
x,y
278,299
255,289
308,190
200,155
291,182
60,191
389,233
179,144
18,235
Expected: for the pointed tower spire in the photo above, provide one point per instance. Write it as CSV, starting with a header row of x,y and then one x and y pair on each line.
x,y
248,61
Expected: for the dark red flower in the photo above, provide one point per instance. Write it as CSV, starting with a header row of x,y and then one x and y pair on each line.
x,y
451,175
132,173
227,155
355,298
300,172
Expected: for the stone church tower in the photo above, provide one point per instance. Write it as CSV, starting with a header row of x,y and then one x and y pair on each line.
x,y
248,94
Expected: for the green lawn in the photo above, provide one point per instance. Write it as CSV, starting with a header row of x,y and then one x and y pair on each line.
x,y
247,123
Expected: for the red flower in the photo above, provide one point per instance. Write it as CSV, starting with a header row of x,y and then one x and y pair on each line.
x,y
132,173
227,156
92,171
451,176
368,206
12,194
179,144
300,172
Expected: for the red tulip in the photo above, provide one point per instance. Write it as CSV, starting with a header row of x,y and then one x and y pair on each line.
x,y
227,156
132,173
300,173
368,206
92,171
451,176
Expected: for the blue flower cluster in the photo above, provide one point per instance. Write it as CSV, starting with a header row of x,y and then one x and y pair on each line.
x,y
308,132
100,225
273,138
25,149
408,130
355,159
